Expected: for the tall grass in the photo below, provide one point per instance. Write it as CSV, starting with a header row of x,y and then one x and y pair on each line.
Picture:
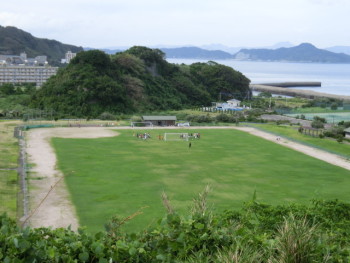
x,y
295,241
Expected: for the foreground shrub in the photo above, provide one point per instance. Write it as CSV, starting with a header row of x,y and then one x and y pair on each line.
x,y
318,232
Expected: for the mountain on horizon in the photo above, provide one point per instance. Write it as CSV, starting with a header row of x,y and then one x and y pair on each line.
x,y
304,52
195,53
234,50
282,51
13,41
339,49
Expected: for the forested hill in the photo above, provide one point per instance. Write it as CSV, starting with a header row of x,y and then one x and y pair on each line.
x,y
13,41
303,53
136,80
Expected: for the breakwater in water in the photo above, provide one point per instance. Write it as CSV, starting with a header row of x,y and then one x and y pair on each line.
x,y
294,84
310,94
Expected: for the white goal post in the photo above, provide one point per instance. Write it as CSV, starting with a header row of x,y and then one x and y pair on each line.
x,y
141,124
175,136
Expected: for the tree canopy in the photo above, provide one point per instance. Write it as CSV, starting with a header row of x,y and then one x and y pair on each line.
x,y
139,79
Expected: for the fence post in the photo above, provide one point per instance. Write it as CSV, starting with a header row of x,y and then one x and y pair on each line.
x,y
22,197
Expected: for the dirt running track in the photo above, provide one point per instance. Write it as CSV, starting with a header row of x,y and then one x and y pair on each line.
x,y
57,209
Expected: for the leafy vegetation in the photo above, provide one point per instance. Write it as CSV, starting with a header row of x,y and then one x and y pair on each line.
x,y
317,232
14,100
136,80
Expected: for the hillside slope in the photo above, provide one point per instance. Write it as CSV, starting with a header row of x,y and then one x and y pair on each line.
x,y
13,41
139,79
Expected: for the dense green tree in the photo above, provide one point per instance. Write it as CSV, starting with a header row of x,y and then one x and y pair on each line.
x,y
221,82
7,89
139,79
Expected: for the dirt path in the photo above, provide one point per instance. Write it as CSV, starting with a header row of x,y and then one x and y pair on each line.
x,y
316,153
57,209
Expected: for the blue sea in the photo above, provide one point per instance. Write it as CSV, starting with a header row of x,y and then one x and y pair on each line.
x,y
334,78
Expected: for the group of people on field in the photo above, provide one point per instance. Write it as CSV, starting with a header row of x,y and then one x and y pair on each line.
x,y
146,136
196,135
143,136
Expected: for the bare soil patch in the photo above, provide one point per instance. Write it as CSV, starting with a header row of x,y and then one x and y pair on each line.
x,y
57,209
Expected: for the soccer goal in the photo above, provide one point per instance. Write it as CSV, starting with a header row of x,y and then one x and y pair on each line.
x,y
175,136
142,124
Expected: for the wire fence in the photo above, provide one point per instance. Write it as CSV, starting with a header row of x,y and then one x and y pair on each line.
x,y
21,199
22,193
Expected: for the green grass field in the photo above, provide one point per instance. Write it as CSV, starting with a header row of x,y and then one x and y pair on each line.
x,y
120,175
8,164
327,144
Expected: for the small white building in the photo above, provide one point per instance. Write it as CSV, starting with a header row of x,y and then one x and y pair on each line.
x,y
233,103
68,57
347,133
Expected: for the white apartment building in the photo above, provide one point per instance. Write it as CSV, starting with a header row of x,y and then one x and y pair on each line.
x,y
20,74
68,57
21,69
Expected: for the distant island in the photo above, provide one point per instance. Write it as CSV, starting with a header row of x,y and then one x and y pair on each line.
x,y
305,52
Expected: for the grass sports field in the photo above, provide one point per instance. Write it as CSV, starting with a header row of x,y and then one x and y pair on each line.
x,y
120,175
291,132
8,169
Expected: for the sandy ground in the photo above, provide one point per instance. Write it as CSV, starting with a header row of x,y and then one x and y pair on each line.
x,y
57,210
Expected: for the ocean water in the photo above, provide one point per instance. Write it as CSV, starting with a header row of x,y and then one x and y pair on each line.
x,y
334,78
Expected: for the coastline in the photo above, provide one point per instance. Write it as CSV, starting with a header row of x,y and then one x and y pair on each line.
x,y
334,77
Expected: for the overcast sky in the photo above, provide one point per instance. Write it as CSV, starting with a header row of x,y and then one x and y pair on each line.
x,y
234,23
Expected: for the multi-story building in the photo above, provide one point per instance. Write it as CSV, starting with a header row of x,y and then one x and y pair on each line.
x,y
20,69
22,59
68,57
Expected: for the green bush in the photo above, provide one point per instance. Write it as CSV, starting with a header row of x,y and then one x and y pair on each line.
x,y
317,124
318,232
107,116
335,132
